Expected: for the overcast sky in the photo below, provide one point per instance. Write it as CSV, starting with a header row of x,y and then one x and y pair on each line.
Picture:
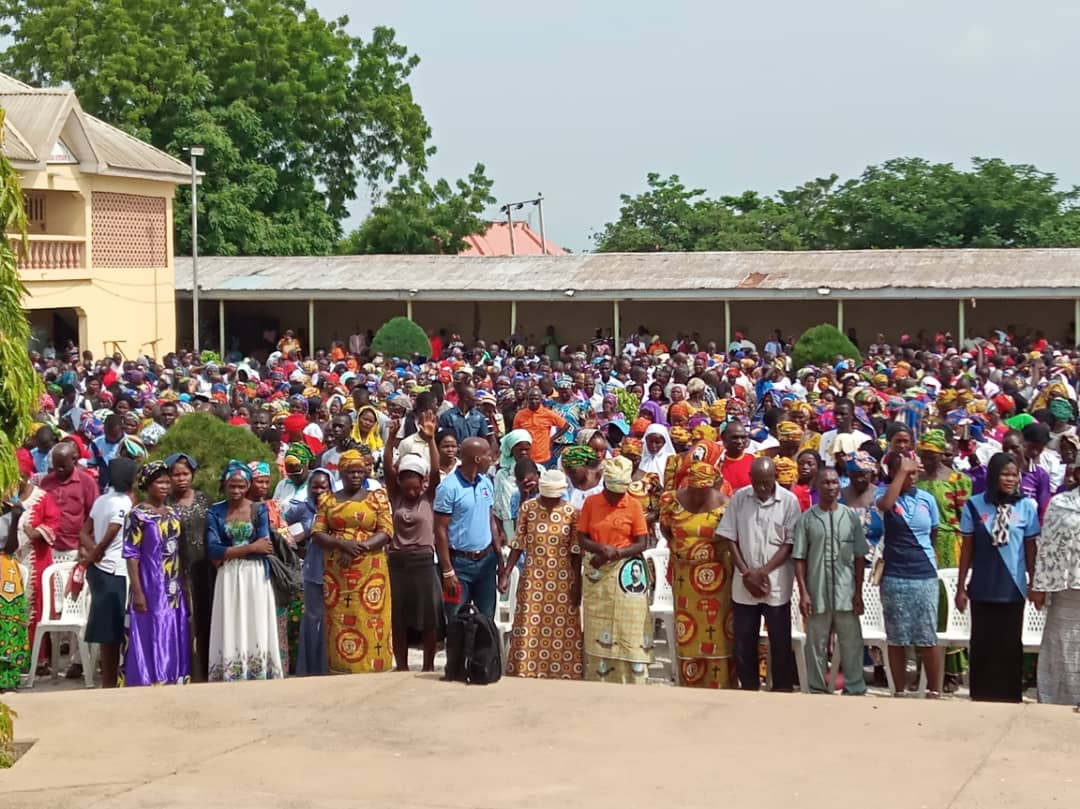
x,y
580,100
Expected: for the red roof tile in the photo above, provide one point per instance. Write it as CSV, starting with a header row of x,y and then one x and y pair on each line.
x,y
496,242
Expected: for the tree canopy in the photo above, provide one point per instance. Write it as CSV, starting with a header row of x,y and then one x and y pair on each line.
x,y
294,112
903,203
417,217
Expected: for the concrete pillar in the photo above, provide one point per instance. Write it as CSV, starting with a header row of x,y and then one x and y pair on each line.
x,y
727,325
311,326
513,317
1076,322
221,326
840,315
617,326
408,308
961,315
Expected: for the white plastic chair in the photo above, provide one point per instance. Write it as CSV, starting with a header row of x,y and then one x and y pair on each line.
x,y
872,622
957,632
663,602
798,643
505,607
73,616
1034,623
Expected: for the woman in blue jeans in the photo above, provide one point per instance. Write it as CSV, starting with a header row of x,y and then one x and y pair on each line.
x,y
909,587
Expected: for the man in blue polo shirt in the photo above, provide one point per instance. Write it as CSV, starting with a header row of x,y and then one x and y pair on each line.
x,y
467,535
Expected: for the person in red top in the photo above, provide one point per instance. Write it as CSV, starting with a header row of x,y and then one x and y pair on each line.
x,y
538,420
74,490
737,461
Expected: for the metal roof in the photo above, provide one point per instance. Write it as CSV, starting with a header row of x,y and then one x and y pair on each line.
x,y
882,274
36,117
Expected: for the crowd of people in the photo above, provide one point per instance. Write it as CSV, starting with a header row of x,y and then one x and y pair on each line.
x,y
411,486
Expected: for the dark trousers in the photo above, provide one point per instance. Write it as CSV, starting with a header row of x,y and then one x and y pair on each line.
x,y
747,631
997,653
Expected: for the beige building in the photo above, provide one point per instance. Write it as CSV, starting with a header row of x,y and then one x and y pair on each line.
x,y
99,269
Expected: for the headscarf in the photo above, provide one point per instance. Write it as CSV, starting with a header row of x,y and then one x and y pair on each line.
x,y
585,435
718,411
176,457
152,434
1062,409
787,471
373,439
656,411
552,483
259,469
133,447
704,432
1004,403
680,436
932,441
301,453
234,469
577,456
702,475
679,410
789,431
353,457
149,473
506,447
631,447
618,474
861,461
655,463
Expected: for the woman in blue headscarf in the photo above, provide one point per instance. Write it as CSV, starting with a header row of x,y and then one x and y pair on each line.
x,y
244,626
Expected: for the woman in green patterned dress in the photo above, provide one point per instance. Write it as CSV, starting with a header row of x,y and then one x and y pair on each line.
x,y
951,490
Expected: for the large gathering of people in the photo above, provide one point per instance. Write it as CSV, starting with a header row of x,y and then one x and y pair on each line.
x,y
411,486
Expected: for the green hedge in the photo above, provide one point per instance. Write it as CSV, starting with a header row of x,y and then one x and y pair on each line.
x,y
400,337
822,345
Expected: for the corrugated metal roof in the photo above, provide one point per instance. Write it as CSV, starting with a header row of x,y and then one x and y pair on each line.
x,y
39,115
15,146
760,275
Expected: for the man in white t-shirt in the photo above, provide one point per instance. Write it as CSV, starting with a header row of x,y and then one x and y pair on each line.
x,y
101,546
844,411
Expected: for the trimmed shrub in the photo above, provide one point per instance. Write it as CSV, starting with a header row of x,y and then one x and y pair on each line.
x,y
400,337
821,345
7,736
213,443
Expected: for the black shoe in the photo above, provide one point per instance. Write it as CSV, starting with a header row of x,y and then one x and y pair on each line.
x,y
74,672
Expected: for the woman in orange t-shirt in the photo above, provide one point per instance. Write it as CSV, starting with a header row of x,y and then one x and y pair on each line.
x,y
615,587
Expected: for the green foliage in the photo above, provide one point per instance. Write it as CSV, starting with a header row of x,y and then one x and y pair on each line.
x,y
629,404
209,356
7,736
823,345
213,443
294,112
20,386
420,218
400,337
903,203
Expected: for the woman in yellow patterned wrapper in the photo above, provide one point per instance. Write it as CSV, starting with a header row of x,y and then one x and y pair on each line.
x,y
701,571
800,413
645,487
354,527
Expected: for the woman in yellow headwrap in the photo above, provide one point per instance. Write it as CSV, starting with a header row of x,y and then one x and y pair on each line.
x,y
615,587
645,486
354,527
800,413
366,430
702,567
681,440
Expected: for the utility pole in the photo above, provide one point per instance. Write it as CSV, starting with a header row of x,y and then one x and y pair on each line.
x,y
196,152
538,201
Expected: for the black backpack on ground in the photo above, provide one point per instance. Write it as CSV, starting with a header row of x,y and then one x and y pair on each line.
x,y
473,648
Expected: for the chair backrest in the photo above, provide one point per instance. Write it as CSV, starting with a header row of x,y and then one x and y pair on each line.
x,y
1034,622
796,616
873,617
959,623
508,600
663,597
65,609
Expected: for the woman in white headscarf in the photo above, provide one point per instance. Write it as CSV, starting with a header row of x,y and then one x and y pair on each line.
x,y
658,448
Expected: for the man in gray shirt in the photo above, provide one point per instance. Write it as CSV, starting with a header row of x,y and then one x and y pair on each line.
x,y
829,550
760,524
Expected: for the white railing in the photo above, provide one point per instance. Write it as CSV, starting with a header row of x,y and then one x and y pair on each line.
x,y
51,252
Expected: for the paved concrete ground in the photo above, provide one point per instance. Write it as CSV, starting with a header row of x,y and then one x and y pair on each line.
x,y
408,741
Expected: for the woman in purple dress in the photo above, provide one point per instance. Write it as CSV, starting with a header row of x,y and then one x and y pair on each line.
x,y
156,650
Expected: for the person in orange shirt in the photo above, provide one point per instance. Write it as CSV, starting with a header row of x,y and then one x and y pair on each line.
x,y
615,587
538,421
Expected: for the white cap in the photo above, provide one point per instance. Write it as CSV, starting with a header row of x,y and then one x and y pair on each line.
x,y
412,463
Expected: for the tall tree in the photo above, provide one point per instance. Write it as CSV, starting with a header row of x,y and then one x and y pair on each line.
x,y
295,112
902,203
417,217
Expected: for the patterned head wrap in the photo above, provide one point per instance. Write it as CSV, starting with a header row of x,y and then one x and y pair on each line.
x,y
259,469
800,407
947,397
679,410
680,436
152,434
718,411
133,447
632,447
618,474
879,379
577,456
149,473
932,441
300,454
702,475
787,471
640,425
789,431
235,469
861,461
1004,403
1062,409
351,458
703,432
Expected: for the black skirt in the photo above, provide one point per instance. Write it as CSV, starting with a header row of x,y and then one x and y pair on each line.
x,y
415,592
108,606
997,652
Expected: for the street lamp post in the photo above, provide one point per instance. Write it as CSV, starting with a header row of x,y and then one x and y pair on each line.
x,y
196,152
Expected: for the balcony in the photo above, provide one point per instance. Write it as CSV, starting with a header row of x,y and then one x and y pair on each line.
x,y
47,252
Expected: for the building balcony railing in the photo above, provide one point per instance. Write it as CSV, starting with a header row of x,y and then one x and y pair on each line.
x,y
45,252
